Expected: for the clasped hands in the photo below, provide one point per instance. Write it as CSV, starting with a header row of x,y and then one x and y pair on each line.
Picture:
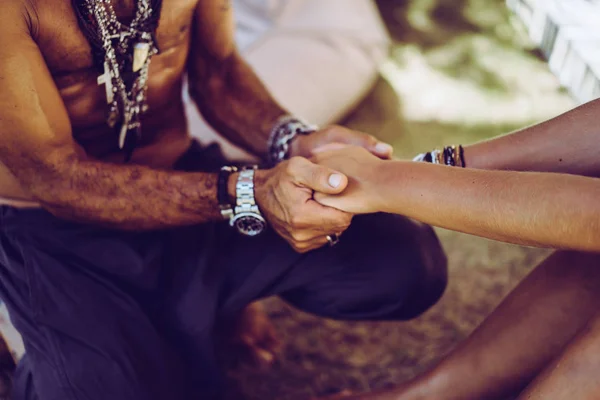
x,y
327,181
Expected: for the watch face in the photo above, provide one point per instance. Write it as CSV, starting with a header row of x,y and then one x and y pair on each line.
x,y
249,224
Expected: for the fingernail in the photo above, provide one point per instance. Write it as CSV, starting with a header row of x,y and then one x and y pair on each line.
x,y
335,180
384,148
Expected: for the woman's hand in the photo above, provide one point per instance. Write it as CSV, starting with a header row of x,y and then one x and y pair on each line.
x,y
363,170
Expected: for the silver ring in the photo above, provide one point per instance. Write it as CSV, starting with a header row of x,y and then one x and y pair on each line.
x,y
333,239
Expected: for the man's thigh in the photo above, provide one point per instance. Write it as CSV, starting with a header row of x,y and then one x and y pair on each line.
x,y
385,267
74,294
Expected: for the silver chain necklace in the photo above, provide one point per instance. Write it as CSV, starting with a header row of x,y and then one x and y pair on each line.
x,y
125,105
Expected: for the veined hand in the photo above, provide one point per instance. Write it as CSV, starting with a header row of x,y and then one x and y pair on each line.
x,y
285,196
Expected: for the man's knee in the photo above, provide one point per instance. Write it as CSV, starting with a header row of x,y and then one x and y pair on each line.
x,y
427,261
393,268
433,262
410,270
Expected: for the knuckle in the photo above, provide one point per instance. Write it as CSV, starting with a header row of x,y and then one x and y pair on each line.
x,y
295,167
313,246
341,223
289,168
370,138
287,232
297,220
299,248
344,227
299,236
317,174
295,163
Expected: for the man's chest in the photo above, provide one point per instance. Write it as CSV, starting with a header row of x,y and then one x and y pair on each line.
x,y
67,51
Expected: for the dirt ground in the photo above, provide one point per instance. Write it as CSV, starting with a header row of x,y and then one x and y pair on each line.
x,y
460,71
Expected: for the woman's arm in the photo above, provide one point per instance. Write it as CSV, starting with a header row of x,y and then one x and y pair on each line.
x,y
569,143
538,209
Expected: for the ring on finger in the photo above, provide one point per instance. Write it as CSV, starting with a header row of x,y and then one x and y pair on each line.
x,y
333,239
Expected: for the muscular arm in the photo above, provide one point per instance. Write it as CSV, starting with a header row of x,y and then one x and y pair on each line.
x,y
530,208
37,146
226,90
568,143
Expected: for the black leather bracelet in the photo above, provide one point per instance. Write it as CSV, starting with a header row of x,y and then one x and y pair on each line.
x,y
223,191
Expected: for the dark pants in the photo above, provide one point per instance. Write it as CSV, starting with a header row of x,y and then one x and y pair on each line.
x,y
108,314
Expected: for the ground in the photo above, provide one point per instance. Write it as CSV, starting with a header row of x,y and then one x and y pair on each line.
x,y
460,71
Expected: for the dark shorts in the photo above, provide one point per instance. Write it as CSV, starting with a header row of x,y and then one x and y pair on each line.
x,y
108,314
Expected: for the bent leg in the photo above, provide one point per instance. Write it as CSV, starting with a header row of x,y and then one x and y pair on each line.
x,y
529,328
386,267
74,292
575,374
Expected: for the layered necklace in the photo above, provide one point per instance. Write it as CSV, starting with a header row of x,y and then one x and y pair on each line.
x,y
122,55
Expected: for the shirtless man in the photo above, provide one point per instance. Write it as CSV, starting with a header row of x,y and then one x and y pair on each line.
x,y
117,273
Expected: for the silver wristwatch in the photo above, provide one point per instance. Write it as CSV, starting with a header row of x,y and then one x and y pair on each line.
x,y
247,218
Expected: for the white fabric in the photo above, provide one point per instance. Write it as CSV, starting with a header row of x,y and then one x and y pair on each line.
x,y
317,57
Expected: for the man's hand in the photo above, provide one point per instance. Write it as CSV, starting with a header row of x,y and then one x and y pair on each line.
x,y
285,197
364,174
308,145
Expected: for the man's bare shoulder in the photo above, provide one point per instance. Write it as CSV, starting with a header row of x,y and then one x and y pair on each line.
x,y
17,16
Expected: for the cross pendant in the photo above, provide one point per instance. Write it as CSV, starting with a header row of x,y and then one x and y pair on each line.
x,y
106,80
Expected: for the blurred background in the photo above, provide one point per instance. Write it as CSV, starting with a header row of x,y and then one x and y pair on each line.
x,y
459,71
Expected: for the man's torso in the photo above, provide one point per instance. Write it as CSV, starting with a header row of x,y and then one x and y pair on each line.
x,y
67,53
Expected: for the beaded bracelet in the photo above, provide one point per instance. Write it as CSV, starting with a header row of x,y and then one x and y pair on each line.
x,y
285,130
452,156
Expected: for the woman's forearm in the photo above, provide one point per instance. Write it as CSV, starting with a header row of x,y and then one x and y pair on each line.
x,y
567,144
539,209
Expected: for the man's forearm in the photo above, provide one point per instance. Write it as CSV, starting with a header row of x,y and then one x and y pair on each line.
x,y
541,209
569,143
126,197
236,103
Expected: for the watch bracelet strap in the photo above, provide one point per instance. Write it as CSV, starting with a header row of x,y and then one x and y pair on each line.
x,y
245,201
